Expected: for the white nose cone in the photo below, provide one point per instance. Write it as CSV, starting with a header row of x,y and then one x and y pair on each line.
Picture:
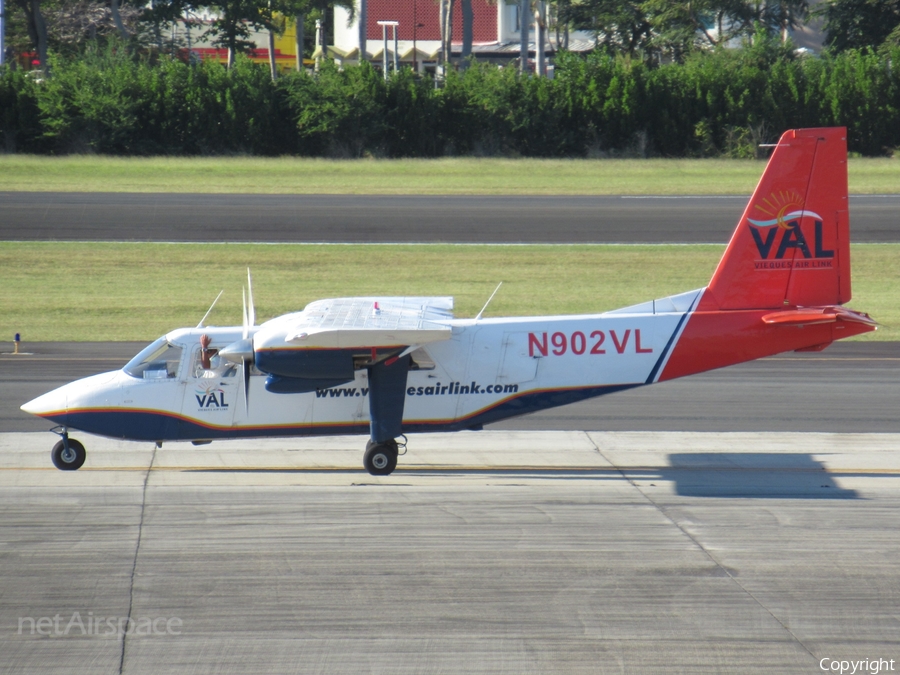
x,y
51,403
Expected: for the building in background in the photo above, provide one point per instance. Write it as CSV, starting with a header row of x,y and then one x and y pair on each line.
x,y
495,32
495,39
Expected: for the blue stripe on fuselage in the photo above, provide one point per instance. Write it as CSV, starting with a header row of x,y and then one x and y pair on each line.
x,y
146,425
662,357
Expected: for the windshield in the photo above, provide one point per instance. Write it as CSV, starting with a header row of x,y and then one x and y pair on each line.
x,y
158,361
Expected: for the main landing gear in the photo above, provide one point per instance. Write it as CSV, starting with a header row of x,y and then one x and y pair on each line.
x,y
387,393
68,454
381,458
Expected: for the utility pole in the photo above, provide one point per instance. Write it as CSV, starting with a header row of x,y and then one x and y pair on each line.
x,y
363,32
2,32
299,40
524,11
540,37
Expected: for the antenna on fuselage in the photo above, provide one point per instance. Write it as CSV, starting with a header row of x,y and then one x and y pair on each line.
x,y
251,310
200,325
488,301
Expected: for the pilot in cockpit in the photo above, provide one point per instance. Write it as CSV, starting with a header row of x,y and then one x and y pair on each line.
x,y
210,364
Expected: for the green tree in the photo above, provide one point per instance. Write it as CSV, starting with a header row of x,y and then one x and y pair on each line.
x,y
675,28
233,23
856,24
36,27
781,15
620,26
157,14
681,27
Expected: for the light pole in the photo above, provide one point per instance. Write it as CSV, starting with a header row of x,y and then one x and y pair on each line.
x,y
384,55
320,43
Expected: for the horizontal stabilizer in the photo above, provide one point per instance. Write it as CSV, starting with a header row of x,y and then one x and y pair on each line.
x,y
806,316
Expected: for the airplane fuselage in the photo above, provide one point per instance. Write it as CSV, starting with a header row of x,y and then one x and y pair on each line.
x,y
488,370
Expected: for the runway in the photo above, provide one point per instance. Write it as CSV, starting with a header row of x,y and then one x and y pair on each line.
x,y
64,216
486,552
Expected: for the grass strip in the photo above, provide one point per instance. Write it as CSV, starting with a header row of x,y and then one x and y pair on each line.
x,y
488,176
86,291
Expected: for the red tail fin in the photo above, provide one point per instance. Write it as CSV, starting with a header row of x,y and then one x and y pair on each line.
x,y
792,244
790,253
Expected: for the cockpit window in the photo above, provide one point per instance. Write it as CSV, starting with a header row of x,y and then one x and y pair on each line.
x,y
158,361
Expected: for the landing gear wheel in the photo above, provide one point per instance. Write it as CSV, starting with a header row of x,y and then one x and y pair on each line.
x,y
68,459
380,458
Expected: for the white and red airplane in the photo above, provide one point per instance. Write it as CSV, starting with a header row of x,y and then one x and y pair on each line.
x,y
393,365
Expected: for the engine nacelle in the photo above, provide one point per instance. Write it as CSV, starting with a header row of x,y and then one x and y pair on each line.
x,y
299,385
307,364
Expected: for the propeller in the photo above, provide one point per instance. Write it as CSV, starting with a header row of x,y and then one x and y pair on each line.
x,y
242,350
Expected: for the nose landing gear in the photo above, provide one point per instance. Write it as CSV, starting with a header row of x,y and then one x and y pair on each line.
x,y
68,454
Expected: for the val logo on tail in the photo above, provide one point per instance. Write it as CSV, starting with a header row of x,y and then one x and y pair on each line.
x,y
788,227
390,366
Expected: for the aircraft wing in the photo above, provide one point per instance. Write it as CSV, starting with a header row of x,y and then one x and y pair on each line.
x,y
361,322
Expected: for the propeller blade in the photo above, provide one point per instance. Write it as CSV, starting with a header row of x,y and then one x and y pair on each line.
x,y
242,351
246,332
245,367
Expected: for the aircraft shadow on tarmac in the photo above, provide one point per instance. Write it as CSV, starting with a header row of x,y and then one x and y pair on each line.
x,y
752,474
761,475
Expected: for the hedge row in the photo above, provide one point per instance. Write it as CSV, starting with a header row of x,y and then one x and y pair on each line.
x,y
719,103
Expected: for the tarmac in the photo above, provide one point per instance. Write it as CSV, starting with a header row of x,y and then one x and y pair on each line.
x,y
485,552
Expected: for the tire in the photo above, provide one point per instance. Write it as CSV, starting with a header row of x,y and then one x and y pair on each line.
x,y
381,458
71,460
